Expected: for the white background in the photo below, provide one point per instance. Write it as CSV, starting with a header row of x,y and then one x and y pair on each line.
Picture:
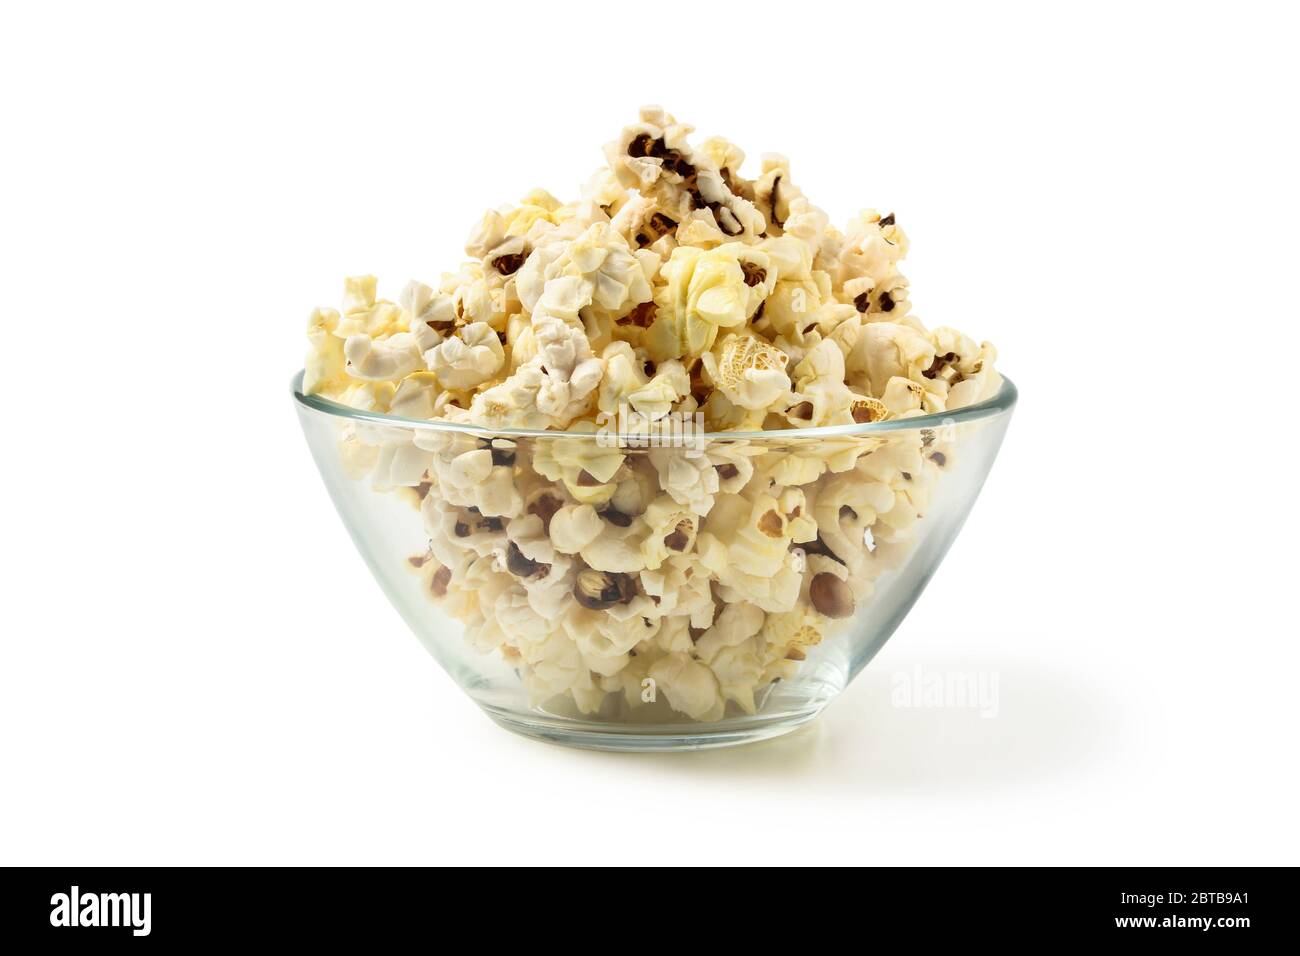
x,y
196,666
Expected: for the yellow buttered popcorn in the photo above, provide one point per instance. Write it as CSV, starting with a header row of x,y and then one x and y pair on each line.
x,y
674,289
704,291
325,371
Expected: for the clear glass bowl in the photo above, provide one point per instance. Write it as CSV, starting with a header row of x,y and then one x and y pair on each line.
x,y
653,629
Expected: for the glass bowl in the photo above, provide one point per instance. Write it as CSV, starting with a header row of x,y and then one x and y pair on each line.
x,y
633,589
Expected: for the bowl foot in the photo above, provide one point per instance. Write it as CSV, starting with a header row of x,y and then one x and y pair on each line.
x,y
650,738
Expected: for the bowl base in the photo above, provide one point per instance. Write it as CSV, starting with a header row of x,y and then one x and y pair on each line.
x,y
650,738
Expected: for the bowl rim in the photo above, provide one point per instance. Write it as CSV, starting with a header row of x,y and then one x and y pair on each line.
x,y
1002,402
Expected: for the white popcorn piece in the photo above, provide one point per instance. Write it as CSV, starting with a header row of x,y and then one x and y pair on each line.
x,y
415,396
672,531
736,624
574,527
393,358
430,315
617,549
627,383
586,469
749,371
603,274
886,350
654,158
468,359
690,481
821,397
691,687
400,465
636,488
739,671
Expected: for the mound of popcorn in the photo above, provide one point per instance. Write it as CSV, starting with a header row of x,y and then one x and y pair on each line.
x,y
608,574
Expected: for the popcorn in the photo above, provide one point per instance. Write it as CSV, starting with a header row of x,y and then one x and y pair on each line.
x,y
705,291
609,281
468,359
654,158
886,350
574,527
609,570
690,686
739,670
570,372
400,465
364,314
415,396
749,371
325,371
735,625
821,396
627,383
617,550
586,469
671,531
393,358
689,481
